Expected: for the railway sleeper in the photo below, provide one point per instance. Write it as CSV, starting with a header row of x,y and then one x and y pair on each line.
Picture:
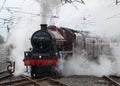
x,y
12,81
111,80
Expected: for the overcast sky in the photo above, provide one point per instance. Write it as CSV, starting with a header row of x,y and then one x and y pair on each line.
x,y
5,14
97,15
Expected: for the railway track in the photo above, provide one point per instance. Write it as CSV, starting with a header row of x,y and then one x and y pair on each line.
x,y
4,74
114,81
47,81
27,81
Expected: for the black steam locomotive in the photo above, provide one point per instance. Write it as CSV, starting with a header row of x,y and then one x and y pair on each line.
x,y
51,43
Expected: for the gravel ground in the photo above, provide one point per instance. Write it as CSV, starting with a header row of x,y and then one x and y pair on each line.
x,y
116,78
76,81
84,81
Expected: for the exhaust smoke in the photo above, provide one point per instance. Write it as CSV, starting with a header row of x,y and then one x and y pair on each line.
x,y
46,9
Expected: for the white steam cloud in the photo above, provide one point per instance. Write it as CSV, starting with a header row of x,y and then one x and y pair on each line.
x,y
47,7
19,36
98,19
80,65
101,16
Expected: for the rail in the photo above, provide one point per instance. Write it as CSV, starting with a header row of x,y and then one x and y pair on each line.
x,y
27,81
111,80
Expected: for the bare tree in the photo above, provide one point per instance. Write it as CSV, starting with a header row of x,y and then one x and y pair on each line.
x,y
71,1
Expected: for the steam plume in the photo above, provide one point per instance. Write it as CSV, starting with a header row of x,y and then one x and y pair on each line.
x,y
79,64
47,7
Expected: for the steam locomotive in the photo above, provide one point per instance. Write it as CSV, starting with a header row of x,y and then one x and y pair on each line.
x,y
52,43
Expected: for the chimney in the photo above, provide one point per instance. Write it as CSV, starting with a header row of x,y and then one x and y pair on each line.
x,y
44,27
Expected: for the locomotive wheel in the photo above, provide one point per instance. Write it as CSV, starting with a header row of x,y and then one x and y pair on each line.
x,y
34,72
55,73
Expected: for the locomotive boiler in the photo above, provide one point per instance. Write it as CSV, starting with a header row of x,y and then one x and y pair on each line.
x,y
51,43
